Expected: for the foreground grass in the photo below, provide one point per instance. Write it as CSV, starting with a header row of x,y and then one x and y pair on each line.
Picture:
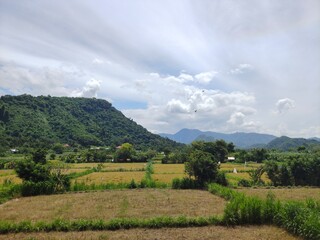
x,y
138,203
207,232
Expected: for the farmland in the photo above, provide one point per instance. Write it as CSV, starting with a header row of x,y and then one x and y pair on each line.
x,y
212,232
141,204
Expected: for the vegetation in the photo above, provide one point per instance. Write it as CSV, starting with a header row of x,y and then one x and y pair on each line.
x,y
40,178
43,121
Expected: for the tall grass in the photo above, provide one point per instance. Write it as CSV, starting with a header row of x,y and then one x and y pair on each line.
x,y
300,218
114,224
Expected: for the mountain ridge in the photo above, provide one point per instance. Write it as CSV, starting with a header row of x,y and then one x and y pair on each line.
x,y
240,139
27,121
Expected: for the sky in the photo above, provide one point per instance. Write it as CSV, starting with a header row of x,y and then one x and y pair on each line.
x,y
214,65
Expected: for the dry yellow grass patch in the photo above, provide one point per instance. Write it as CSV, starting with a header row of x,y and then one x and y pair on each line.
x,y
109,166
167,178
212,232
12,178
284,193
110,177
6,172
138,203
168,168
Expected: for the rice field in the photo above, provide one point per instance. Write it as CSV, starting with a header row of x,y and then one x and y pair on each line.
x,y
167,178
212,232
168,168
110,177
108,166
295,193
137,203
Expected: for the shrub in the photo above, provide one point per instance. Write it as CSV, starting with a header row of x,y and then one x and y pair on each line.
x,y
244,183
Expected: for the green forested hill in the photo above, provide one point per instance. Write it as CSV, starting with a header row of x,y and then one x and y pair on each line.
x,y
31,121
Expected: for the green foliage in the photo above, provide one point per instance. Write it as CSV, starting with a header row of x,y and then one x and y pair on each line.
x,y
98,225
301,171
218,148
244,183
124,153
40,178
256,174
185,183
202,167
44,121
300,218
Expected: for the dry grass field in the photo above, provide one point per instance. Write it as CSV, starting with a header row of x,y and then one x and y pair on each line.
x,y
284,193
11,178
167,178
5,172
196,233
168,168
110,177
138,203
109,166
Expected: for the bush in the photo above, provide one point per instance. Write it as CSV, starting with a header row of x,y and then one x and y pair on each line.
x,y
221,179
244,183
185,183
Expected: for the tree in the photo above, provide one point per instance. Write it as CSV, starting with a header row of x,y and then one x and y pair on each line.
x,y
38,177
125,152
39,156
256,175
202,166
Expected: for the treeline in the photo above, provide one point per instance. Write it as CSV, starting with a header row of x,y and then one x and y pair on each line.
x,y
301,171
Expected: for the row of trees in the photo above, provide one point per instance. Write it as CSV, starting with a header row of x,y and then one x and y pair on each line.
x,y
303,171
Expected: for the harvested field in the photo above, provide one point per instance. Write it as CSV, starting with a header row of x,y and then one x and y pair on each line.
x,y
296,193
110,177
138,203
212,232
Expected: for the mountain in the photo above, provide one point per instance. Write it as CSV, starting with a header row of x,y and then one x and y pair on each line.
x,y
285,143
31,121
242,140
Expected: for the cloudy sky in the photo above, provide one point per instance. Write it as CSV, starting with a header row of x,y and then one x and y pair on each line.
x,y
218,65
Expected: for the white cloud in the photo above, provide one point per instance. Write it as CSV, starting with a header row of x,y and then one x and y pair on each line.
x,y
89,90
97,61
242,68
283,105
176,106
260,55
186,77
237,118
205,77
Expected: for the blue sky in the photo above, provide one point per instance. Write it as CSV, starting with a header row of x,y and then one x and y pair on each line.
x,y
218,65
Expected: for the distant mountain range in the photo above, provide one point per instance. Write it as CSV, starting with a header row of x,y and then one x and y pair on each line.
x,y
241,140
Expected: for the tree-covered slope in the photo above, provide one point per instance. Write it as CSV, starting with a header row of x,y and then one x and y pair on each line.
x,y
29,121
285,143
